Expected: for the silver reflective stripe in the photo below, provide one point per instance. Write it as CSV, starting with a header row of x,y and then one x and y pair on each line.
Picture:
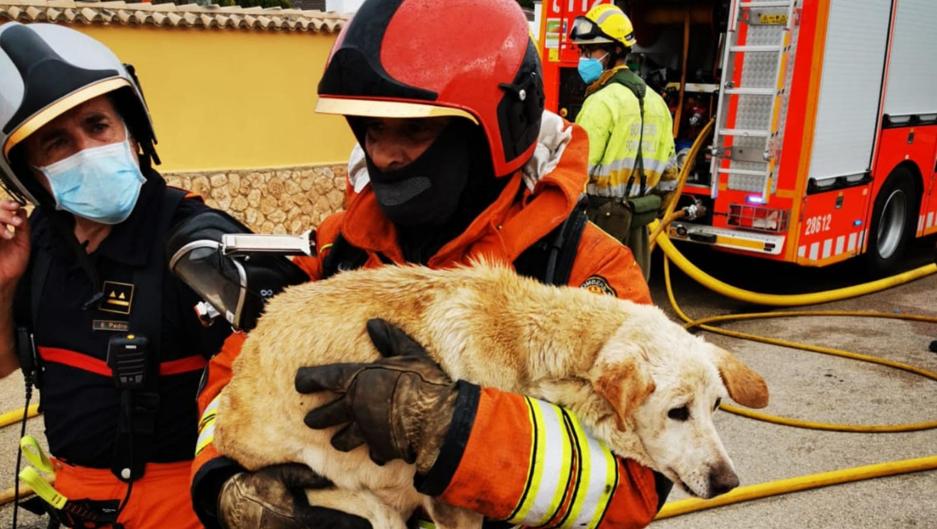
x,y
552,465
573,477
604,16
650,166
599,476
206,425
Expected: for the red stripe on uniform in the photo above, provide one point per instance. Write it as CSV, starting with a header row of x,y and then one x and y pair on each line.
x,y
100,367
182,365
76,360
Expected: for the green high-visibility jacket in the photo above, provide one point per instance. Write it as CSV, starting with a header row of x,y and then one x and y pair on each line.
x,y
611,117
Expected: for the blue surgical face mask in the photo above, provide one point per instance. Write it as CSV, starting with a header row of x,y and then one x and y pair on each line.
x,y
100,184
590,69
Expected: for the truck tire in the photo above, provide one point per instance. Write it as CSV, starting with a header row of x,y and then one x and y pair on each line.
x,y
893,221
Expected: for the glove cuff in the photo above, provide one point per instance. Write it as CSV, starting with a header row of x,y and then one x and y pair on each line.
x,y
206,489
434,479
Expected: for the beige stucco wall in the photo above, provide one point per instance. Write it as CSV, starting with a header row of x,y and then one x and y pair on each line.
x,y
233,108
232,99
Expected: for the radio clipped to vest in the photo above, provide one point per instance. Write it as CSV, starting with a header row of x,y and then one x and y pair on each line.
x,y
134,371
127,358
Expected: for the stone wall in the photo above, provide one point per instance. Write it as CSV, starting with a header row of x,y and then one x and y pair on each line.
x,y
288,200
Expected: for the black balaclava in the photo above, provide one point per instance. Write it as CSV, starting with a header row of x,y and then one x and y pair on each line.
x,y
434,198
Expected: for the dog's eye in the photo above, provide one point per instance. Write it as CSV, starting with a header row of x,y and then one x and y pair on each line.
x,y
718,402
679,414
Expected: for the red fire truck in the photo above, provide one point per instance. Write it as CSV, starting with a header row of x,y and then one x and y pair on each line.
x,y
825,137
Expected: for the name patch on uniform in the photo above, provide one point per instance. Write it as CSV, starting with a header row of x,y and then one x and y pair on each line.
x,y
110,326
118,297
598,285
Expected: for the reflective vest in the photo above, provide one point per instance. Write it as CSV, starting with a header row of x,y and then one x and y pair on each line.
x,y
611,116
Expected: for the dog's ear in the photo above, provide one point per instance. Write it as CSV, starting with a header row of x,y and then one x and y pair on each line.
x,y
744,385
624,382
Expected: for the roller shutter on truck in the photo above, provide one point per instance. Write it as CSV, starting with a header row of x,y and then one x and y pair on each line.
x,y
850,89
912,70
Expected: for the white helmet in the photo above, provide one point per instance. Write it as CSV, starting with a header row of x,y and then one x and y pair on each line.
x,y
46,70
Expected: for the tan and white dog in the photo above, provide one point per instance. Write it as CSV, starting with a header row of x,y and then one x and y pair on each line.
x,y
636,380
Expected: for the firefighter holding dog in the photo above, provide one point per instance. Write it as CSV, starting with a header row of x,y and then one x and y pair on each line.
x,y
631,147
461,163
119,352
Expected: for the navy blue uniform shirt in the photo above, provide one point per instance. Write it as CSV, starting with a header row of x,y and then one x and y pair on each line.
x,y
78,398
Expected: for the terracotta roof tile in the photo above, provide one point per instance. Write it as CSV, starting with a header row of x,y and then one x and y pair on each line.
x,y
170,15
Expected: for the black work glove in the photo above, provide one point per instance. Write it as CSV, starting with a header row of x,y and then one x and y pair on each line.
x,y
400,405
274,498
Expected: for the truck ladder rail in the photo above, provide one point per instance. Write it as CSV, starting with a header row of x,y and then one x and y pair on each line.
x,y
750,91
755,48
768,61
756,4
748,133
746,172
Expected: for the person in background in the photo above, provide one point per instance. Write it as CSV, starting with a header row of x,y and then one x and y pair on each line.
x,y
632,162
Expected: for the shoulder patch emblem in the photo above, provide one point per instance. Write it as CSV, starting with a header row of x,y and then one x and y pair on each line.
x,y
598,285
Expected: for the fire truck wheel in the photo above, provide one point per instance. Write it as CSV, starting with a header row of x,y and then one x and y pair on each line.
x,y
892,222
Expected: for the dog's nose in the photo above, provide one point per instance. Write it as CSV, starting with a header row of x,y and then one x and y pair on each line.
x,y
722,479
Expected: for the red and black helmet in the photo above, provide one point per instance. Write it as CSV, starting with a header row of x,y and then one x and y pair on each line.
x,y
423,58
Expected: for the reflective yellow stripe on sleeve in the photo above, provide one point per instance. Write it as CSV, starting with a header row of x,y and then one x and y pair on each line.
x,y
206,426
551,462
572,476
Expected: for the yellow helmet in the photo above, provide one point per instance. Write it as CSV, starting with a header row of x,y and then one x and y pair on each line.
x,y
603,23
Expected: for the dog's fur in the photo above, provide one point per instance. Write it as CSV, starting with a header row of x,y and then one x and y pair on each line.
x,y
621,367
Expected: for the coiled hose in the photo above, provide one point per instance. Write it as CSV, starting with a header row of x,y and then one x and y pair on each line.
x,y
812,481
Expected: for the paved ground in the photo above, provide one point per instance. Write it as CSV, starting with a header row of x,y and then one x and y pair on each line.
x,y
823,388
802,384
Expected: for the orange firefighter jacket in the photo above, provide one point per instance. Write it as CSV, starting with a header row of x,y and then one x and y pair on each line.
x,y
507,456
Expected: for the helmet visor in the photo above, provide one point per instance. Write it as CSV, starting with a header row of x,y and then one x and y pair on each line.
x,y
387,109
586,31
57,108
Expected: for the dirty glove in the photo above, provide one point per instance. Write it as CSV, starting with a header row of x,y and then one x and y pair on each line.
x,y
400,405
274,498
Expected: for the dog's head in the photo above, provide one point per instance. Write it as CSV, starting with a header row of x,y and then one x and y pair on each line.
x,y
664,384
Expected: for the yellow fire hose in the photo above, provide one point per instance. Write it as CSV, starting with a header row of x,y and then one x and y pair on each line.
x,y
688,164
812,481
910,427
659,236
9,495
6,419
15,416
785,300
